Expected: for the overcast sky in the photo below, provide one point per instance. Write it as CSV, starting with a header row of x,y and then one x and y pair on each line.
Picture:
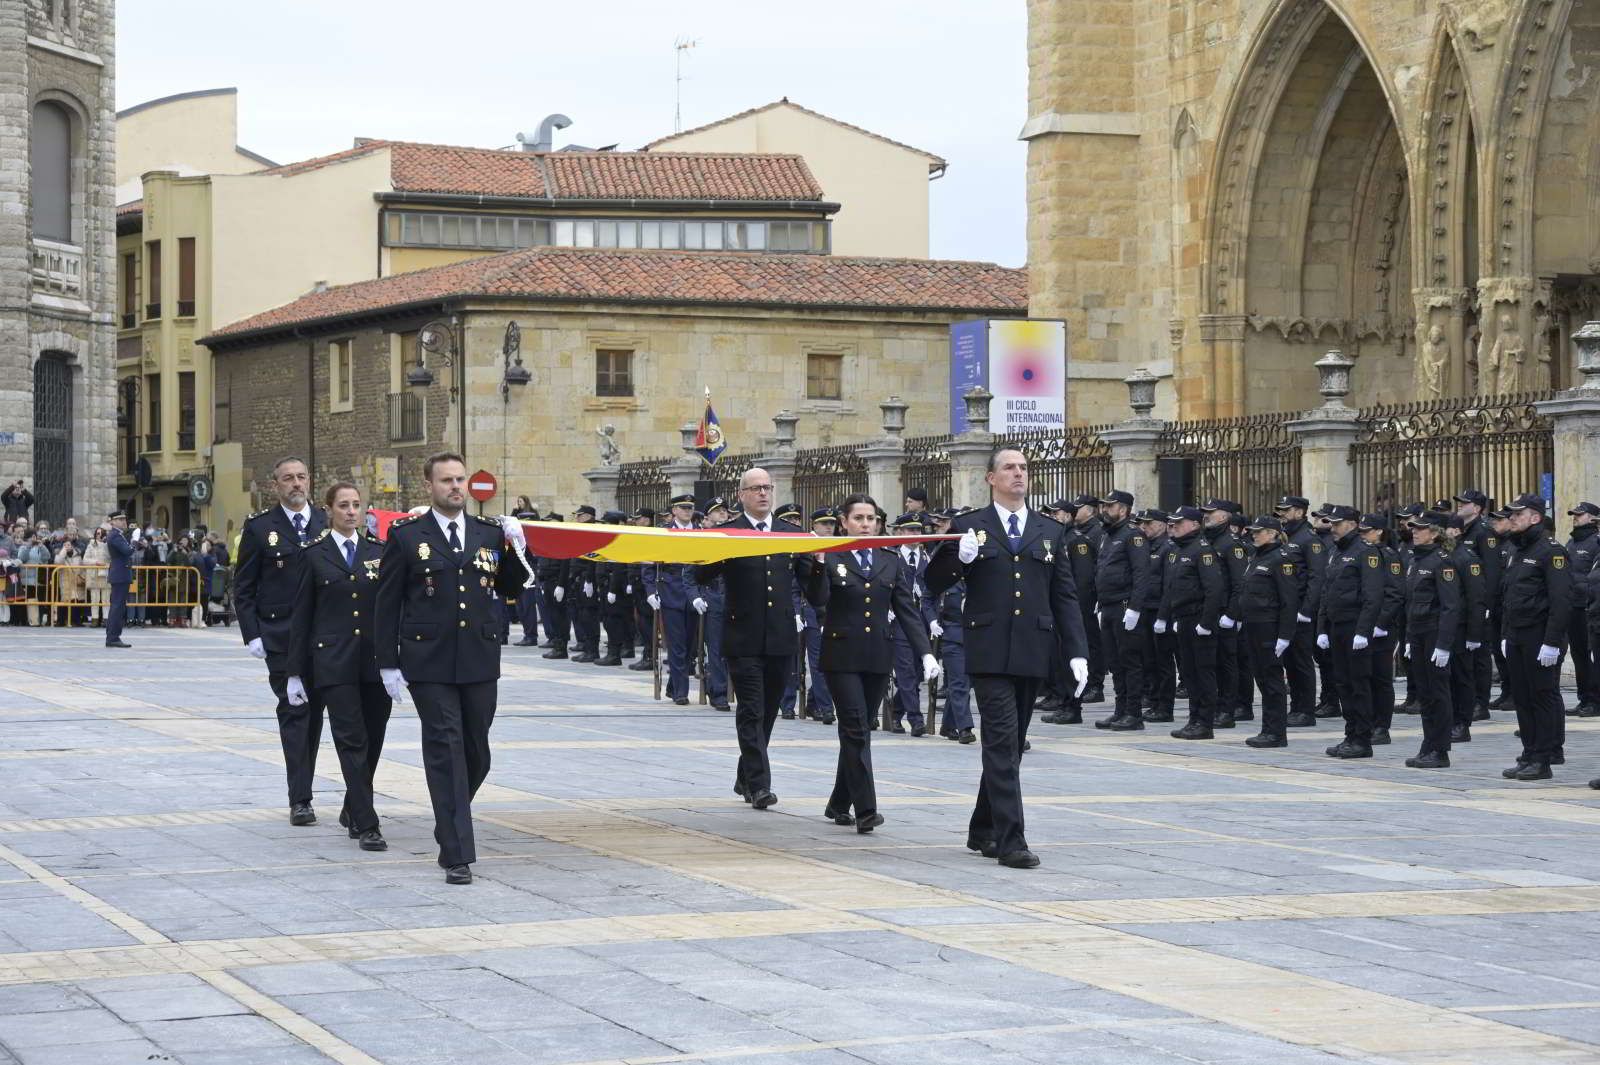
x,y
948,76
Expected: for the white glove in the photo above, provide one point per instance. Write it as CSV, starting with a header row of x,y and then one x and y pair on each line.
x,y
654,600
1504,650
799,623
611,597
1201,630
561,593
1226,622
513,530
1302,619
1358,642
967,547
891,617
255,648
1473,646
700,605
1440,657
1378,634
1130,619
588,589
930,668
627,589
296,692
1279,647
1080,673
1322,641
935,629
1549,656
1160,627
1405,651
392,682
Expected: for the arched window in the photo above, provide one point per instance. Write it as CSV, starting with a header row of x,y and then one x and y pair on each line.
x,y
50,160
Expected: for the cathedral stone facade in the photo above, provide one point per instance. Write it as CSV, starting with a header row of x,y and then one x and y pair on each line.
x,y
1222,191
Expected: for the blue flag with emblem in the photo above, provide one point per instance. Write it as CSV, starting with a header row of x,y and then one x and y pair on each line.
x,y
709,441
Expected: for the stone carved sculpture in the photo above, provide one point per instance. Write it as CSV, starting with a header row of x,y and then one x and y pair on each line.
x,y
1504,370
610,453
1541,353
1433,365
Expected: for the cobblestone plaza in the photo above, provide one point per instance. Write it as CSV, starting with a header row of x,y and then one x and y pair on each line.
x,y
1197,903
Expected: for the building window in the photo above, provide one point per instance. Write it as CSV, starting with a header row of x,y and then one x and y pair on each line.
x,y
341,374
50,172
152,390
130,290
185,277
412,229
823,374
613,372
186,411
152,266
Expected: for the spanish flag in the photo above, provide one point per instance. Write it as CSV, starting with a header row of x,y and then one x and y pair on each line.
x,y
695,547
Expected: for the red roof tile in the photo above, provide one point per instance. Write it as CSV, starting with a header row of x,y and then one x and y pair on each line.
x,y
934,161
582,175
132,207
726,278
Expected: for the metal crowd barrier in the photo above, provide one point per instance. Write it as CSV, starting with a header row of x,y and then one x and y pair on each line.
x,y
48,588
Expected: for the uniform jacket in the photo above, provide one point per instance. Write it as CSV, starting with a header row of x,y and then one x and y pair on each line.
x,y
1536,589
1352,586
1084,560
1313,564
334,632
268,574
121,561
1474,596
438,612
1433,598
1490,551
761,596
1121,566
1394,590
1155,579
1583,549
1234,556
1193,587
855,608
1270,589
1018,606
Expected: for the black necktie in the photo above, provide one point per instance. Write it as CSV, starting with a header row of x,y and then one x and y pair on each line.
x,y
300,528
761,526
1014,535
455,541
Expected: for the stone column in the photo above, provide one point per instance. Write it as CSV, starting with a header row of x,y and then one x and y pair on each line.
x,y
1576,413
1223,335
684,471
782,461
1326,435
1133,442
885,457
603,487
969,453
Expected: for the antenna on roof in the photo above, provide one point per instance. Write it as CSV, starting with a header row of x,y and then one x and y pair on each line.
x,y
680,46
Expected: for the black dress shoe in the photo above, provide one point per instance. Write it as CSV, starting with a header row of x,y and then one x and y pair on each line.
x,y
117,643
1595,783
1127,723
1048,705
526,642
898,727
1500,702
838,817
372,840
1023,859
1324,711
344,819
1244,713
1158,717
548,644
869,822
555,652
1223,719
825,719
301,814
608,660
1194,730
1557,758
1588,710
787,715
1534,771
1063,716
965,736
1510,772
1027,745
1460,734
1106,722
1095,694
1302,720
1480,712
984,847
1429,760
1412,705
458,874
1349,749
762,798
1180,693
1266,739
740,790
682,700
919,730
644,665
584,656
1380,737
723,706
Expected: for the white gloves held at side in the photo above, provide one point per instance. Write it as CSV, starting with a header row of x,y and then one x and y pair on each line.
x,y
588,589
256,649
799,623
1201,630
654,600
700,605
967,547
296,692
930,668
611,597
1378,634
935,629
1302,619
1322,641
512,528
1130,619
1358,642
1226,622
1160,627
1549,656
1440,658
561,593
1279,647
1080,673
392,682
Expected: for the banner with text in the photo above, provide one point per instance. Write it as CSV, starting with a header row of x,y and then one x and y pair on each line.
x,y
1022,362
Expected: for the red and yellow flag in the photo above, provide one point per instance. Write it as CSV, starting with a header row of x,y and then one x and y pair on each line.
x,y
620,543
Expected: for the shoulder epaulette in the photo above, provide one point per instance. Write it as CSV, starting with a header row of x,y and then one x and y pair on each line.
x,y
323,535
370,537
408,519
487,521
257,514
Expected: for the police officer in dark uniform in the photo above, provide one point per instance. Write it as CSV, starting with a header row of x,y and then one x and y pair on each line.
x,y
268,572
611,584
642,615
554,575
1353,591
1060,705
1160,649
1374,529
437,634
1475,533
761,633
1193,595
1536,603
1471,634
1412,703
1244,700
709,605
332,646
948,630
789,514
1269,600
119,575
857,591
1019,593
1583,549
1217,515
1328,691
667,590
1120,572
1086,523
1299,661
583,598
1433,633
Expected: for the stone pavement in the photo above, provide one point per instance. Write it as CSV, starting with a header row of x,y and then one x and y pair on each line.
x,y
1197,903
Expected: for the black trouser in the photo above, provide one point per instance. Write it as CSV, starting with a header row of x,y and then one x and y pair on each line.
x,y
1487,661
1160,650
614,616
1381,684
1005,708
455,755
1352,679
118,614
1097,658
1244,698
557,622
1227,641
1301,666
1463,683
758,683
586,623
856,697
1434,690
299,730
1588,678
1123,651
1402,640
1197,659
1260,639
1327,686
358,717
1536,690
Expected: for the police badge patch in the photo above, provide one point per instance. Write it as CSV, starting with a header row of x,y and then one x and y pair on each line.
x,y
1447,574
1288,569
1083,549
1372,560
1558,561
1316,548
1475,569
1394,568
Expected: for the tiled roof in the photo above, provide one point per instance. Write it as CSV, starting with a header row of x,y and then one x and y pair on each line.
x,y
934,161
130,208
582,175
725,278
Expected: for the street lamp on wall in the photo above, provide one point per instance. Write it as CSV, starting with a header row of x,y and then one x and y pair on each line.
x,y
439,339
515,373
